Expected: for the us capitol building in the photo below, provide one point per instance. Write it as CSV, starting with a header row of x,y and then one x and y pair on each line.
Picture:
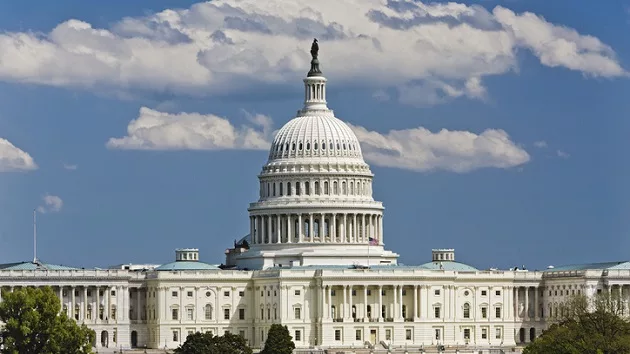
x,y
315,261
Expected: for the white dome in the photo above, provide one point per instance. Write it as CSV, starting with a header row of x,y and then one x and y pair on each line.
x,y
317,135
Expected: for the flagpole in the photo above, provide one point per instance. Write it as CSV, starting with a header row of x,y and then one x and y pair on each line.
x,y
34,236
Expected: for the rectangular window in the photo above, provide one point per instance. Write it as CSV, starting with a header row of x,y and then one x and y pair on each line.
x,y
89,293
383,292
337,334
484,312
262,293
467,333
498,333
241,314
484,293
437,334
369,292
189,314
189,294
241,333
358,335
437,311
100,293
241,293
408,334
76,293
113,292
354,293
297,293
388,334
437,292
174,293
497,312
298,312
174,314
404,292
226,293
497,293
332,292
175,336
484,333
298,335
226,314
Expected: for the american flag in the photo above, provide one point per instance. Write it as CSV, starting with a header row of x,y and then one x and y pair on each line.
x,y
373,241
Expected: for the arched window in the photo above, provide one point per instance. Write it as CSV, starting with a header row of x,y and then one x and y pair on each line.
x,y
326,227
308,146
88,315
300,146
335,191
268,189
297,188
316,188
316,227
326,187
315,145
208,312
286,147
466,310
77,309
369,311
333,311
293,146
101,312
343,188
289,188
307,189
281,191
307,229
354,311
351,188
404,311
274,189
323,145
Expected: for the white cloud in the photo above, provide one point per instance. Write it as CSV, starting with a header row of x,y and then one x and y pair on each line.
x,y
226,45
562,154
154,130
70,167
419,149
540,144
13,159
52,204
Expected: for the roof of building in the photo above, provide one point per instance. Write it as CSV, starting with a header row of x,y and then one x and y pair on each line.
x,y
186,265
449,265
593,266
34,266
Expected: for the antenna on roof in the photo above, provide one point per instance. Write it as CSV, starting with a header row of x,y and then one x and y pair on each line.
x,y
34,236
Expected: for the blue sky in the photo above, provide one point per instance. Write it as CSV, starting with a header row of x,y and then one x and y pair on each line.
x,y
497,128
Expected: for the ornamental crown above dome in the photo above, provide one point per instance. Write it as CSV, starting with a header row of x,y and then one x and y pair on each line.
x,y
315,132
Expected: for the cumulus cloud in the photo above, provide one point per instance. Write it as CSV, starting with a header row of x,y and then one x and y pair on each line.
x,y
419,149
154,130
13,159
440,50
52,204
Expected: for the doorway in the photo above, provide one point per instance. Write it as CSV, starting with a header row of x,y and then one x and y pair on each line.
x,y
373,337
134,339
104,339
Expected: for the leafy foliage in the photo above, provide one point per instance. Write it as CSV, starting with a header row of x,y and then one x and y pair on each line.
x,y
279,341
206,343
586,326
33,325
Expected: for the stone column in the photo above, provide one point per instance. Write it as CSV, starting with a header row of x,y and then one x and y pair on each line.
x,y
251,230
138,309
349,301
380,303
415,302
310,228
380,229
299,228
85,304
329,309
526,306
395,313
73,303
365,304
98,304
355,236
60,296
323,302
400,305
536,305
289,231
278,229
517,309
345,302
322,239
363,233
269,234
345,228
333,232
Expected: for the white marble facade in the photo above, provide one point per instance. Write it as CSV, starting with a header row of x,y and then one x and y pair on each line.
x,y
315,261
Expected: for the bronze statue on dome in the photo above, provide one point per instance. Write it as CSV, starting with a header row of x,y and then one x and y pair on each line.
x,y
314,49
315,71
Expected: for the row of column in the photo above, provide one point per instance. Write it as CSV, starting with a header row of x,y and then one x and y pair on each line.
x,y
522,309
316,227
78,306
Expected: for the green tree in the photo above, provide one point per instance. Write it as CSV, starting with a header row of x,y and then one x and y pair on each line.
x,y
279,341
206,343
33,325
586,326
